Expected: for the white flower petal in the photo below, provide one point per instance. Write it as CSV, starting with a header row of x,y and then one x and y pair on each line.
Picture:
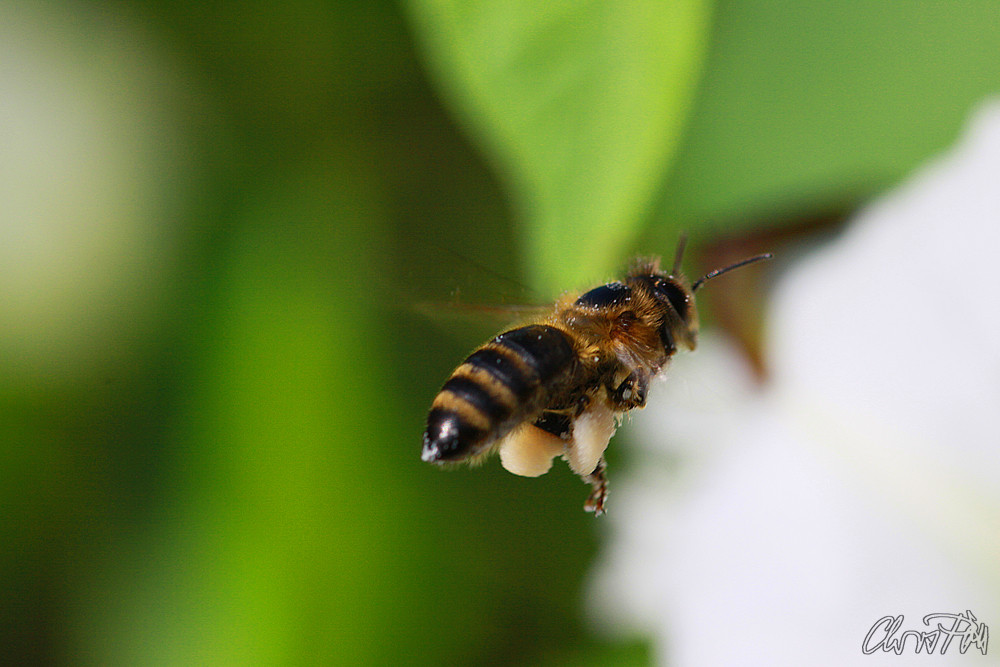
x,y
861,482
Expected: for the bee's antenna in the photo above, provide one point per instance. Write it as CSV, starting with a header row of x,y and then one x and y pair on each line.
x,y
718,272
679,254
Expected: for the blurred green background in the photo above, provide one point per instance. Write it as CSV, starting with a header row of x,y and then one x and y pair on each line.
x,y
215,221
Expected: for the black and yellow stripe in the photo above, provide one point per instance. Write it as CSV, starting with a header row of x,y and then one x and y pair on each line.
x,y
492,390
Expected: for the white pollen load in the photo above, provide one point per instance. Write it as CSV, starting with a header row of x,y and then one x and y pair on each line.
x,y
592,432
528,451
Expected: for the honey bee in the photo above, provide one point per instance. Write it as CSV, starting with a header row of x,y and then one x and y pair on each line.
x,y
561,386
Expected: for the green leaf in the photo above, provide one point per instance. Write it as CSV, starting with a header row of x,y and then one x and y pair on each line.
x,y
275,549
808,106
579,104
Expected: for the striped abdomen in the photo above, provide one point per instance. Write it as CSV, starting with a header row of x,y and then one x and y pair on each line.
x,y
495,389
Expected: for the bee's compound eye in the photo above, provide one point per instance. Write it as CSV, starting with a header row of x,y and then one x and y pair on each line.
x,y
612,294
674,293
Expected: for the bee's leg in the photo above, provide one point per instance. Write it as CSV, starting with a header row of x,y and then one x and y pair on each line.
x,y
556,423
631,393
559,422
599,489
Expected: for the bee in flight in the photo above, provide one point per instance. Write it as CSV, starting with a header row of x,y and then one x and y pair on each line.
x,y
561,386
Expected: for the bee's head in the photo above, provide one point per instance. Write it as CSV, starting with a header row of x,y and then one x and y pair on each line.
x,y
673,291
675,297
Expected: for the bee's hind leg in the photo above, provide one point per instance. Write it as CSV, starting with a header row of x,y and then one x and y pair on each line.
x,y
599,489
